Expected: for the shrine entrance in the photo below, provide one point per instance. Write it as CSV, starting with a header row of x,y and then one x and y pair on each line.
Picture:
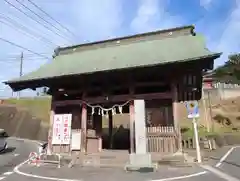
x,y
108,127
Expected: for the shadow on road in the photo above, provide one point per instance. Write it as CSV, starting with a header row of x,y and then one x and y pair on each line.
x,y
8,150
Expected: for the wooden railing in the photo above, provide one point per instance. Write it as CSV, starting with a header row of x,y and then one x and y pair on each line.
x,y
162,139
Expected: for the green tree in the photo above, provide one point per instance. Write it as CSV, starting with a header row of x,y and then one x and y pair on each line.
x,y
230,71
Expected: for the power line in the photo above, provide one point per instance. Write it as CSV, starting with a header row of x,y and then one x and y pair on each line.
x,y
38,15
27,29
34,19
27,34
19,46
5,60
26,54
39,8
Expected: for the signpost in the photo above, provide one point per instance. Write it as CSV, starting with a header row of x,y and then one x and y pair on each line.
x,y
193,113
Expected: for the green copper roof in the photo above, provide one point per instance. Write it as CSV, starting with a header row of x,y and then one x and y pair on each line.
x,y
121,56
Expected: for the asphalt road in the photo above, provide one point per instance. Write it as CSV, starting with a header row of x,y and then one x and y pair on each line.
x,y
226,171
17,152
229,169
231,165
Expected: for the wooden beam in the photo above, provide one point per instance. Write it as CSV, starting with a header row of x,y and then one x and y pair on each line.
x,y
50,131
115,87
118,98
110,130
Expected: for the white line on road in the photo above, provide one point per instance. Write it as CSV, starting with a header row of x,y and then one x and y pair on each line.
x,y
225,156
219,173
1,178
16,170
182,177
7,173
16,154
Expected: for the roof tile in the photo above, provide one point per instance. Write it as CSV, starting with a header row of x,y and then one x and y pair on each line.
x,y
137,54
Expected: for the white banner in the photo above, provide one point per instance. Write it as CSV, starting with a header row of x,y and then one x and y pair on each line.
x,y
67,122
62,129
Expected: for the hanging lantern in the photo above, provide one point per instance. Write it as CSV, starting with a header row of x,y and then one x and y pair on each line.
x,y
99,111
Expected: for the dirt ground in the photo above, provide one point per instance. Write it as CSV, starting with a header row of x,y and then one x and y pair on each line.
x,y
222,116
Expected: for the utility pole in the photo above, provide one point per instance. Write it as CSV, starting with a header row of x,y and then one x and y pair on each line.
x,y
20,70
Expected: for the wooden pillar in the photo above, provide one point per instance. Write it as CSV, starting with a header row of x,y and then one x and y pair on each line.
x,y
132,120
84,128
50,131
110,130
97,120
176,118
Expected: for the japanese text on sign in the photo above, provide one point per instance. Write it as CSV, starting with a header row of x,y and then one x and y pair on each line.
x,y
62,129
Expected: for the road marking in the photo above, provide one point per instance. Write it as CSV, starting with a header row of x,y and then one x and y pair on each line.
x,y
182,177
7,173
1,178
219,173
225,156
16,154
16,170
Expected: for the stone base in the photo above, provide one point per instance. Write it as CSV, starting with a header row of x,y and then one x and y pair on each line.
x,y
141,163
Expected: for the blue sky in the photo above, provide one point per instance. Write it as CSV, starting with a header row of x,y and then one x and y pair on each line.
x,y
91,20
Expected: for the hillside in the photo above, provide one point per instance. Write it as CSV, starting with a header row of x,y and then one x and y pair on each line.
x,y
225,114
19,122
39,106
223,117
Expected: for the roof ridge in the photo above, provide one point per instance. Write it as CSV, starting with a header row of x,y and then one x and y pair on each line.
x,y
190,27
134,42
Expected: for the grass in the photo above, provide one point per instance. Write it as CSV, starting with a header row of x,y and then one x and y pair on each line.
x,y
38,106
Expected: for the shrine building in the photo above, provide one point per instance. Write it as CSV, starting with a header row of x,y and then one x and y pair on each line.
x,y
96,84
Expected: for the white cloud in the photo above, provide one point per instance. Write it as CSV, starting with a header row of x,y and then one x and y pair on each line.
x,y
94,20
152,15
88,19
229,41
206,3
97,19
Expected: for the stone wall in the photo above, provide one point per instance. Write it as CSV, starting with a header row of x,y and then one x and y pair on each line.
x,y
218,94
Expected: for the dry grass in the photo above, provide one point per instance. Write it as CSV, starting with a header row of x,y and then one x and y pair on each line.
x,y
228,109
38,107
224,117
